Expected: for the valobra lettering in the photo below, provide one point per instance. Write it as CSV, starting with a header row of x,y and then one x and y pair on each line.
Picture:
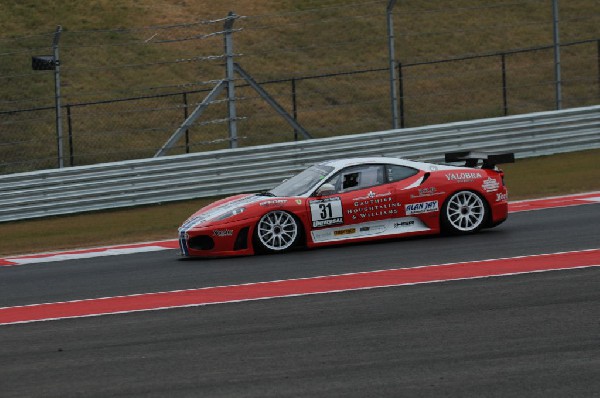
x,y
463,177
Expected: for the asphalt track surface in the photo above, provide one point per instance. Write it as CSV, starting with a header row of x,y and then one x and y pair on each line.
x,y
535,334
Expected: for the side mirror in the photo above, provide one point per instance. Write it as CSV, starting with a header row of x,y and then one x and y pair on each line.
x,y
325,189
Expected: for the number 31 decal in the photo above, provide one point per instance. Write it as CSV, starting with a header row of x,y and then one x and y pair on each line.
x,y
326,212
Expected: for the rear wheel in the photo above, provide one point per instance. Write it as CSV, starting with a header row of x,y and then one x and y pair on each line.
x,y
277,231
464,212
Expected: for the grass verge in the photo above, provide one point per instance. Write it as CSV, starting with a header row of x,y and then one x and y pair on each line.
x,y
527,178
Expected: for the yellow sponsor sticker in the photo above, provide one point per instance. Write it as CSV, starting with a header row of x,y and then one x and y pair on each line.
x,y
346,231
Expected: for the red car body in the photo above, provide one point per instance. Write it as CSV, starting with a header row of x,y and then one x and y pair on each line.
x,y
353,200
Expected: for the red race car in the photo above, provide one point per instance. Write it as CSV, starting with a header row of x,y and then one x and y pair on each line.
x,y
352,200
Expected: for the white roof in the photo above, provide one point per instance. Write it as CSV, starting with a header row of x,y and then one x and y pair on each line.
x,y
341,163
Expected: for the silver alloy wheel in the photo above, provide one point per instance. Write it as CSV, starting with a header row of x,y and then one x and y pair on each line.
x,y
277,230
465,211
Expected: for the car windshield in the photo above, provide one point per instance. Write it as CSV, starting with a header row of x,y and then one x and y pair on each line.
x,y
303,182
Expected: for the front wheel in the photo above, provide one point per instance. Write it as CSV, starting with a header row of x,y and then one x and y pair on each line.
x,y
277,231
464,212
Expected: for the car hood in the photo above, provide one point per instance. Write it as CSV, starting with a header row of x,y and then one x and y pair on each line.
x,y
205,215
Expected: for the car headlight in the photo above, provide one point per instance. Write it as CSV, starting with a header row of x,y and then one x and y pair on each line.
x,y
231,213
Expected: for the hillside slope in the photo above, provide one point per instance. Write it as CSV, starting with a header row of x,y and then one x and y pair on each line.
x,y
172,52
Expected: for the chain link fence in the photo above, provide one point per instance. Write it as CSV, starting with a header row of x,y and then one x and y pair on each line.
x,y
124,92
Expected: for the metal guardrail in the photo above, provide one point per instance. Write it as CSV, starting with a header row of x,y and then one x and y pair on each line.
x,y
172,178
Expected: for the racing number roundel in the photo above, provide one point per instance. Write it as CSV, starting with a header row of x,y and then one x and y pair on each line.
x,y
326,212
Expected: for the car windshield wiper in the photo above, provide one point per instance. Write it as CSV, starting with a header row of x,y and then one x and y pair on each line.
x,y
265,193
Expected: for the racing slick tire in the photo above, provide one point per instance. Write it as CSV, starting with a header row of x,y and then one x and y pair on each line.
x,y
464,212
277,232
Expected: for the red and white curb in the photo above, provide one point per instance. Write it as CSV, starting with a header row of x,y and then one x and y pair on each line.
x,y
558,201
513,207
299,287
89,253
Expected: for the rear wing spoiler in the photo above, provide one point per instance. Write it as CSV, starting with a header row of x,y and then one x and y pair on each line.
x,y
472,158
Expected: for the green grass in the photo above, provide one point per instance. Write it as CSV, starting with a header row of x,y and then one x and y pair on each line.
x,y
527,178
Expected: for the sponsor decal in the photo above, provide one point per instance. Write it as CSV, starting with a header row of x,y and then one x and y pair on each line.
x,y
326,212
372,208
391,226
372,195
501,197
431,191
463,177
274,202
223,232
321,235
401,224
298,201
490,185
347,231
423,207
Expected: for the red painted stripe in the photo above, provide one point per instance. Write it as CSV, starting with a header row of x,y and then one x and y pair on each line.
x,y
323,284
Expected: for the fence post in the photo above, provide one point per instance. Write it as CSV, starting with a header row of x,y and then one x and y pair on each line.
x,y
504,94
392,56
70,135
294,107
598,56
556,54
231,111
401,94
59,135
185,116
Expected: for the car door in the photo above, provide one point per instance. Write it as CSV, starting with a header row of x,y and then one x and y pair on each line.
x,y
419,199
361,198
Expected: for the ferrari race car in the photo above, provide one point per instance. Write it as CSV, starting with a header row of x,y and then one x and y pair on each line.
x,y
354,200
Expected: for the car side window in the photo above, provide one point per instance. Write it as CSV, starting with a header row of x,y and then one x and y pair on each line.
x,y
358,177
398,173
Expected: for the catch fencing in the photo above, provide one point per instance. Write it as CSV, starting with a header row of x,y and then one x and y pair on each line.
x,y
125,91
223,172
